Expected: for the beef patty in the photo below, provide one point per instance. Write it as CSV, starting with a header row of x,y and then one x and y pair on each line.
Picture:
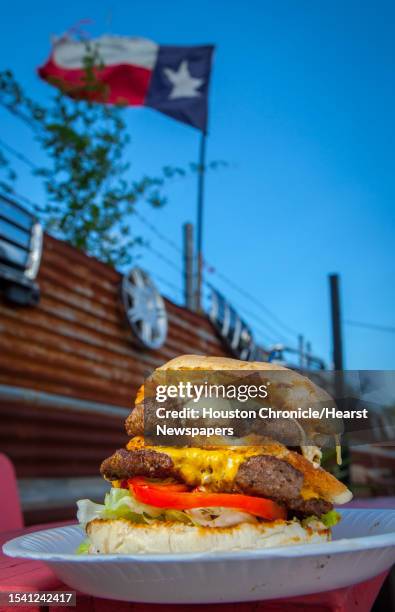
x,y
268,476
261,475
141,462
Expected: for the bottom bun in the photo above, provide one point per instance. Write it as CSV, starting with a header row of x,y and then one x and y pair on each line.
x,y
124,537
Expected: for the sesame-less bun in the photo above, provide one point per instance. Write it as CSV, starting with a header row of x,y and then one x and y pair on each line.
x,y
287,392
121,536
202,362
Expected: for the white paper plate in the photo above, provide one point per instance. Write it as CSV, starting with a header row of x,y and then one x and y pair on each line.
x,y
363,546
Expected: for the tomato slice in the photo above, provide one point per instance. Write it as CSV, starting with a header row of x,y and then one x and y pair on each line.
x,y
169,486
165,496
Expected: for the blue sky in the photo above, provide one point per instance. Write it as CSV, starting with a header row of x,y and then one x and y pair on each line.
x,y
302,110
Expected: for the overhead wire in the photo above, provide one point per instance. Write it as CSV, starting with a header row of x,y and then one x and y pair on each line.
x,y
18,155
162,257
254,300
275,339
373,326
36,207
246,295
271,327
28,162
172,286
22,116
158,233
21,157
259,333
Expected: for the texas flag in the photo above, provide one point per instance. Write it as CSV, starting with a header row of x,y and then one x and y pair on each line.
x,y
137,72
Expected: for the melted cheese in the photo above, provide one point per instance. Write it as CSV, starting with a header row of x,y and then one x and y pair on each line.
x,y
215,468
140,395
308,493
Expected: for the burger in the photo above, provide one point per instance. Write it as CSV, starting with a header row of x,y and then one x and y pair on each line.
x,y
223,497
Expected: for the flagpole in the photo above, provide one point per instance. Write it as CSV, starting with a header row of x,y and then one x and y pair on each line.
x,y
199,224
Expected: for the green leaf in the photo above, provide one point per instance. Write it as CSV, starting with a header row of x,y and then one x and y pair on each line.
x,y
121,504
83,548
331,518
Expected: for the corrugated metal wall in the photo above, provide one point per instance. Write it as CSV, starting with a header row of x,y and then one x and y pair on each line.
x,y
79,366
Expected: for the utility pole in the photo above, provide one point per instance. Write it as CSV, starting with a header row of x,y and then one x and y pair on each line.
x,y
337,346
199,223
301,351
308,354
337,342
189,277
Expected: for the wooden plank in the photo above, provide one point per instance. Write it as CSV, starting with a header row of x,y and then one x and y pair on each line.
x,y
77,344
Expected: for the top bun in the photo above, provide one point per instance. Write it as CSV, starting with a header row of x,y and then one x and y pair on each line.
x,y
202,362
296,390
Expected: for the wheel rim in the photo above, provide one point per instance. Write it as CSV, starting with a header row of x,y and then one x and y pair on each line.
x,y
145,308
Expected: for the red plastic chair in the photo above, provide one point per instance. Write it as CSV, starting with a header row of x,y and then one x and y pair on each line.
x,y
11,512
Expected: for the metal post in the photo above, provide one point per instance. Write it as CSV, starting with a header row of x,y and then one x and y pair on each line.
x,y
339,386
308,354
301,351
189,293
336,322
199,225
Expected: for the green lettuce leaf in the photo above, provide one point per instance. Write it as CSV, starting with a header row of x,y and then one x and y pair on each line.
x,y
331,518
177,516
120,503
83,548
